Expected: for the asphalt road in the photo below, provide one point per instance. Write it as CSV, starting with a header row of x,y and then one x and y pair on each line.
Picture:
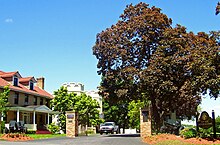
x,y
124,139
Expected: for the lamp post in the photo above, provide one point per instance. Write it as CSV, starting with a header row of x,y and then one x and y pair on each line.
x,y
213,124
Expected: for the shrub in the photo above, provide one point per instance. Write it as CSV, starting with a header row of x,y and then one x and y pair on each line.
x,y
188,133
89,132
31,132
217,123
53,128
204,133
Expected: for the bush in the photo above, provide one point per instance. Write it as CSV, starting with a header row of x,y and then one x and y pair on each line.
x,y
217,123
188,133
89,132
31,132
53,128
204,133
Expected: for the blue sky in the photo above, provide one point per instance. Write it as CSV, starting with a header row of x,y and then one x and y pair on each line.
x,y
54,38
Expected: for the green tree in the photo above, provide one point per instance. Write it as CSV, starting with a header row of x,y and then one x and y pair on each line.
x,y
62,102
134,113
4,102
87,108
4,99
116,111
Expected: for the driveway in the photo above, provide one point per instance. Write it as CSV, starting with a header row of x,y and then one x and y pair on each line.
x,y
124,139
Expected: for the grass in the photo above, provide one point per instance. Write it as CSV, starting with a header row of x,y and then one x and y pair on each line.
x,y
45,136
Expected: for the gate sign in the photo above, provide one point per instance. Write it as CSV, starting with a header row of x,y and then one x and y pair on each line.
x,y
205,121
70,116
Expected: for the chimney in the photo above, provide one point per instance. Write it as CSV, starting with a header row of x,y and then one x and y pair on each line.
x,y
40,82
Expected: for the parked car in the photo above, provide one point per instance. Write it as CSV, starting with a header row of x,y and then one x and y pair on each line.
x,y
109,127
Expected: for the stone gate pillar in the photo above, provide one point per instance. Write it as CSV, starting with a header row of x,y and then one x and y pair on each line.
x,y
71,124
145,122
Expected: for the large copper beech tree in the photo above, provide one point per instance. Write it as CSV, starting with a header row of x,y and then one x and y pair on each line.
x,y
143,57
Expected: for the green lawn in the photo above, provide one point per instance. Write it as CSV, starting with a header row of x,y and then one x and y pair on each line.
x,y
43,136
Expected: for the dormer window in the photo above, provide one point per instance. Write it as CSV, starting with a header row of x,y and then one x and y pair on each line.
x,y
31,85
15,81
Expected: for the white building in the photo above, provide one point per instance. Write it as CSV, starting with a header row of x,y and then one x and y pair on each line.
x,y
78,88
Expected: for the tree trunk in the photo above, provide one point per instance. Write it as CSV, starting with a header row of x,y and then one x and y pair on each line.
x,y
155,117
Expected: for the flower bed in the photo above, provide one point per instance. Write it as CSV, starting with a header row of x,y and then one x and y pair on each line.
x,y
16,137
164,137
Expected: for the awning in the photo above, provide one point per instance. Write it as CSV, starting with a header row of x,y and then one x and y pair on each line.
x,y
36,108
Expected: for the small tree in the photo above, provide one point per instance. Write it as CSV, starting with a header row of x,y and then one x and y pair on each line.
x,y
63,102
88,114
134,113
83,104
4,102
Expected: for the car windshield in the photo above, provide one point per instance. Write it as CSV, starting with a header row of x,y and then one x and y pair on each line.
x,y
108,124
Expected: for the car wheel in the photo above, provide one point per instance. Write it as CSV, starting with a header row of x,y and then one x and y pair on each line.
x,y
101,133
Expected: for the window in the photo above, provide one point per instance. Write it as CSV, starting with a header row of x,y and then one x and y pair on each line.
x,y
26,100
15,81
16,98
31,86
35,100
41,101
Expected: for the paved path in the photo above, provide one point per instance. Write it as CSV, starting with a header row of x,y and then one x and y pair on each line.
x,y
132,139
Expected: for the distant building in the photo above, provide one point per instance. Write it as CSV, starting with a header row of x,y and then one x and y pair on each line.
x,y
78,88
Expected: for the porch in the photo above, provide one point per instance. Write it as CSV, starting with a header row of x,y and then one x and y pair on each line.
x,y
35,117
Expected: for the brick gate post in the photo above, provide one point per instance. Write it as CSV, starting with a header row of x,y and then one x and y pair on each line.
x,y
145,122
71,124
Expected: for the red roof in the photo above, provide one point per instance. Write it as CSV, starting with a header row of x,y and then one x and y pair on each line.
x,y
9,74
27,79
21,88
